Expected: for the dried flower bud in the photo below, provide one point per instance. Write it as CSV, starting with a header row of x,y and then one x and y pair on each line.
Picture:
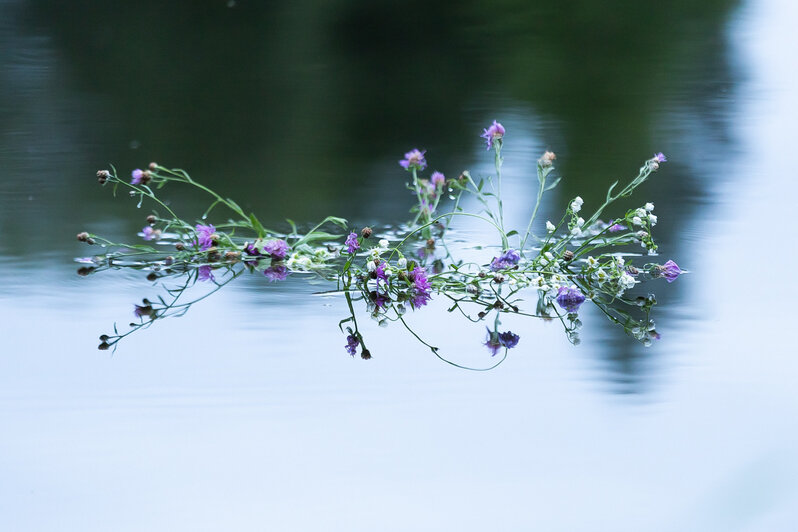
x,y
366,232
179,246
481,275
568,255
498,279
152,276
102,176
83,236
103,346
481,314
83,271
232,255
153,165
168,260
632,270
499,305
151,219
547,159
104,337
431,243
366,354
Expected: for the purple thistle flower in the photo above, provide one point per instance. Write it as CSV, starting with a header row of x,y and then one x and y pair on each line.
x,y
508,339
276,248
438,180
379,271
570,298
204,234
251,249
493,134
138,176
204,273
670,271
414,159
351,243
276,272
505,261
351,344
150,233
421,287
660,157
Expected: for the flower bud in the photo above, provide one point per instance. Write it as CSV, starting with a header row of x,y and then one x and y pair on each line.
x,y
568,255
366,232
83,236
102,176
153,165
151,219
366,354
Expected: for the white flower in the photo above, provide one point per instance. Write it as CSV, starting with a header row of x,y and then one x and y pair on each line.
x,y
547,258
592,262
371,266
580,222
641,213
375,252
576,205
637,221
550,227
626,281
575,231
620,261
401,263
649,207
579,200
652,219
304,262
642,234
600,275
384,243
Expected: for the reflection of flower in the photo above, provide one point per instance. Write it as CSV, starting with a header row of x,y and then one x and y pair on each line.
x,y
438,180
570,298
496,340
276,272
492,134
142,310
616,227
351,243
379,299
351,344
421,287
414,159
204,234
276,248
150,233
505,261
380,272
250,249
670,271
204,273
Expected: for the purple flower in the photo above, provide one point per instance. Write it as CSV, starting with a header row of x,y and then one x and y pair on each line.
x,y
150,233
493,134
276,272
351,344
250,249
421,287
204,234
351,243
438,180
138,176
616,227
379,299
670,271
204,273
505,261
660,157
570,298
508,339
379,271
276,248
414,159
142,310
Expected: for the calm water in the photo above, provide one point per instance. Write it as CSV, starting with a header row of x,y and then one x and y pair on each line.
x,y
247,414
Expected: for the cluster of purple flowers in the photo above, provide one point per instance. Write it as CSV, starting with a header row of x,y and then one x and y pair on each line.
x,y
351,243
570,298
277,249
493,134
414,159
505,261
204,236
497,340
351,344
421,287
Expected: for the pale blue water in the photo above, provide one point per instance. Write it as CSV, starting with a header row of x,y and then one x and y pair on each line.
x,y
247,414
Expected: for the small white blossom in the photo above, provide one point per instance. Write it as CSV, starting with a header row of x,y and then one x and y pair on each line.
x,y
580,222
384,243
371,266
637,221
626,281
641,213
649,207
592,262
620,261
550,227
375,252
652,219
600,275
401,263
575,231
642,234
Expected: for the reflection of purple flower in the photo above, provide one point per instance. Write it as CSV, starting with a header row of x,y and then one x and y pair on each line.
x,y
421,287
616,227
505,261
379,299
250,249
204,233
670,271
570,298
660,157
204,273
276,248
493,133
493,344
438,180
150,233
351,344
414,159
142,310
351,243
508,339
276,272
138,176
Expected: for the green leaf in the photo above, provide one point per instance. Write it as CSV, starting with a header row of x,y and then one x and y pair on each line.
x,y
257,225
609,192
511,233
553,184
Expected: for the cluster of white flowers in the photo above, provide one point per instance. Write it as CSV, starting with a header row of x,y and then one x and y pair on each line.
x,y
576,204
550,227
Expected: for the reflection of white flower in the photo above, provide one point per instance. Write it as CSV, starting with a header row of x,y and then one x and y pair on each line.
x,y
401,263
649,207
575,231
550,227
580,222
620,261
